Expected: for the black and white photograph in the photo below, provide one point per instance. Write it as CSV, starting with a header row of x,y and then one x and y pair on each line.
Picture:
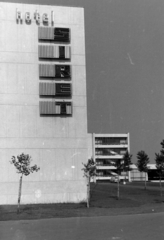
x,y
82,119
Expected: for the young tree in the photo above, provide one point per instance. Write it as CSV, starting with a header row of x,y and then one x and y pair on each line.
x,y
89,172
159,158
142,162
127,162
160,167
162,150
121,165
22,164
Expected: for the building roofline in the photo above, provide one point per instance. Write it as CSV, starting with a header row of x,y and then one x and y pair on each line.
x,y
55,5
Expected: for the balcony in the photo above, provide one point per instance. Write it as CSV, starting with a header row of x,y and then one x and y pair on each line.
x,y
110,152
105,163
103,177
109,156
112,146
110,141
104,167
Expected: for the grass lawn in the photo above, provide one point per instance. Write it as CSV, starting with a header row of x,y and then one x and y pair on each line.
x,y
133,200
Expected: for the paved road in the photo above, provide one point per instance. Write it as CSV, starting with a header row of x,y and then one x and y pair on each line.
x,y
129,227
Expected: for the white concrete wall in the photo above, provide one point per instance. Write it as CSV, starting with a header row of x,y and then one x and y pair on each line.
x,y
58,145
90,145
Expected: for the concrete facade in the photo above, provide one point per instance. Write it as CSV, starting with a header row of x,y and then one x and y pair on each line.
x,y
57,144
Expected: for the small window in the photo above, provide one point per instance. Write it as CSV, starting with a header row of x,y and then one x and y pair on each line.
x,y
62,35
63,89
62,52
63,108
63,71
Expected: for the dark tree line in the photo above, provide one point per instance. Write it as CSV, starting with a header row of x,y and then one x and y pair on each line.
x,y
143,161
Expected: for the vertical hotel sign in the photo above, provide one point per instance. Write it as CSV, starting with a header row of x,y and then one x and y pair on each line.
x,y
55,86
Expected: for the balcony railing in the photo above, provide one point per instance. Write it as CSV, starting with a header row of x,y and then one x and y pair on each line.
x,y
104,165
109,152
110,141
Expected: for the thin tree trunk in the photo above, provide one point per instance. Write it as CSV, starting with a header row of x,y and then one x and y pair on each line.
x,y
118,187
19,193
145,180
160,186
125,179
88,192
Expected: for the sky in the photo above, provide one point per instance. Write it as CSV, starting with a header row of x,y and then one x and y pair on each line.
x,y
125,68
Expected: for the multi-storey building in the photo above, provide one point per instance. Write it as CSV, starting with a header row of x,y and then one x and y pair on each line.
x,y
106,149
43,101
